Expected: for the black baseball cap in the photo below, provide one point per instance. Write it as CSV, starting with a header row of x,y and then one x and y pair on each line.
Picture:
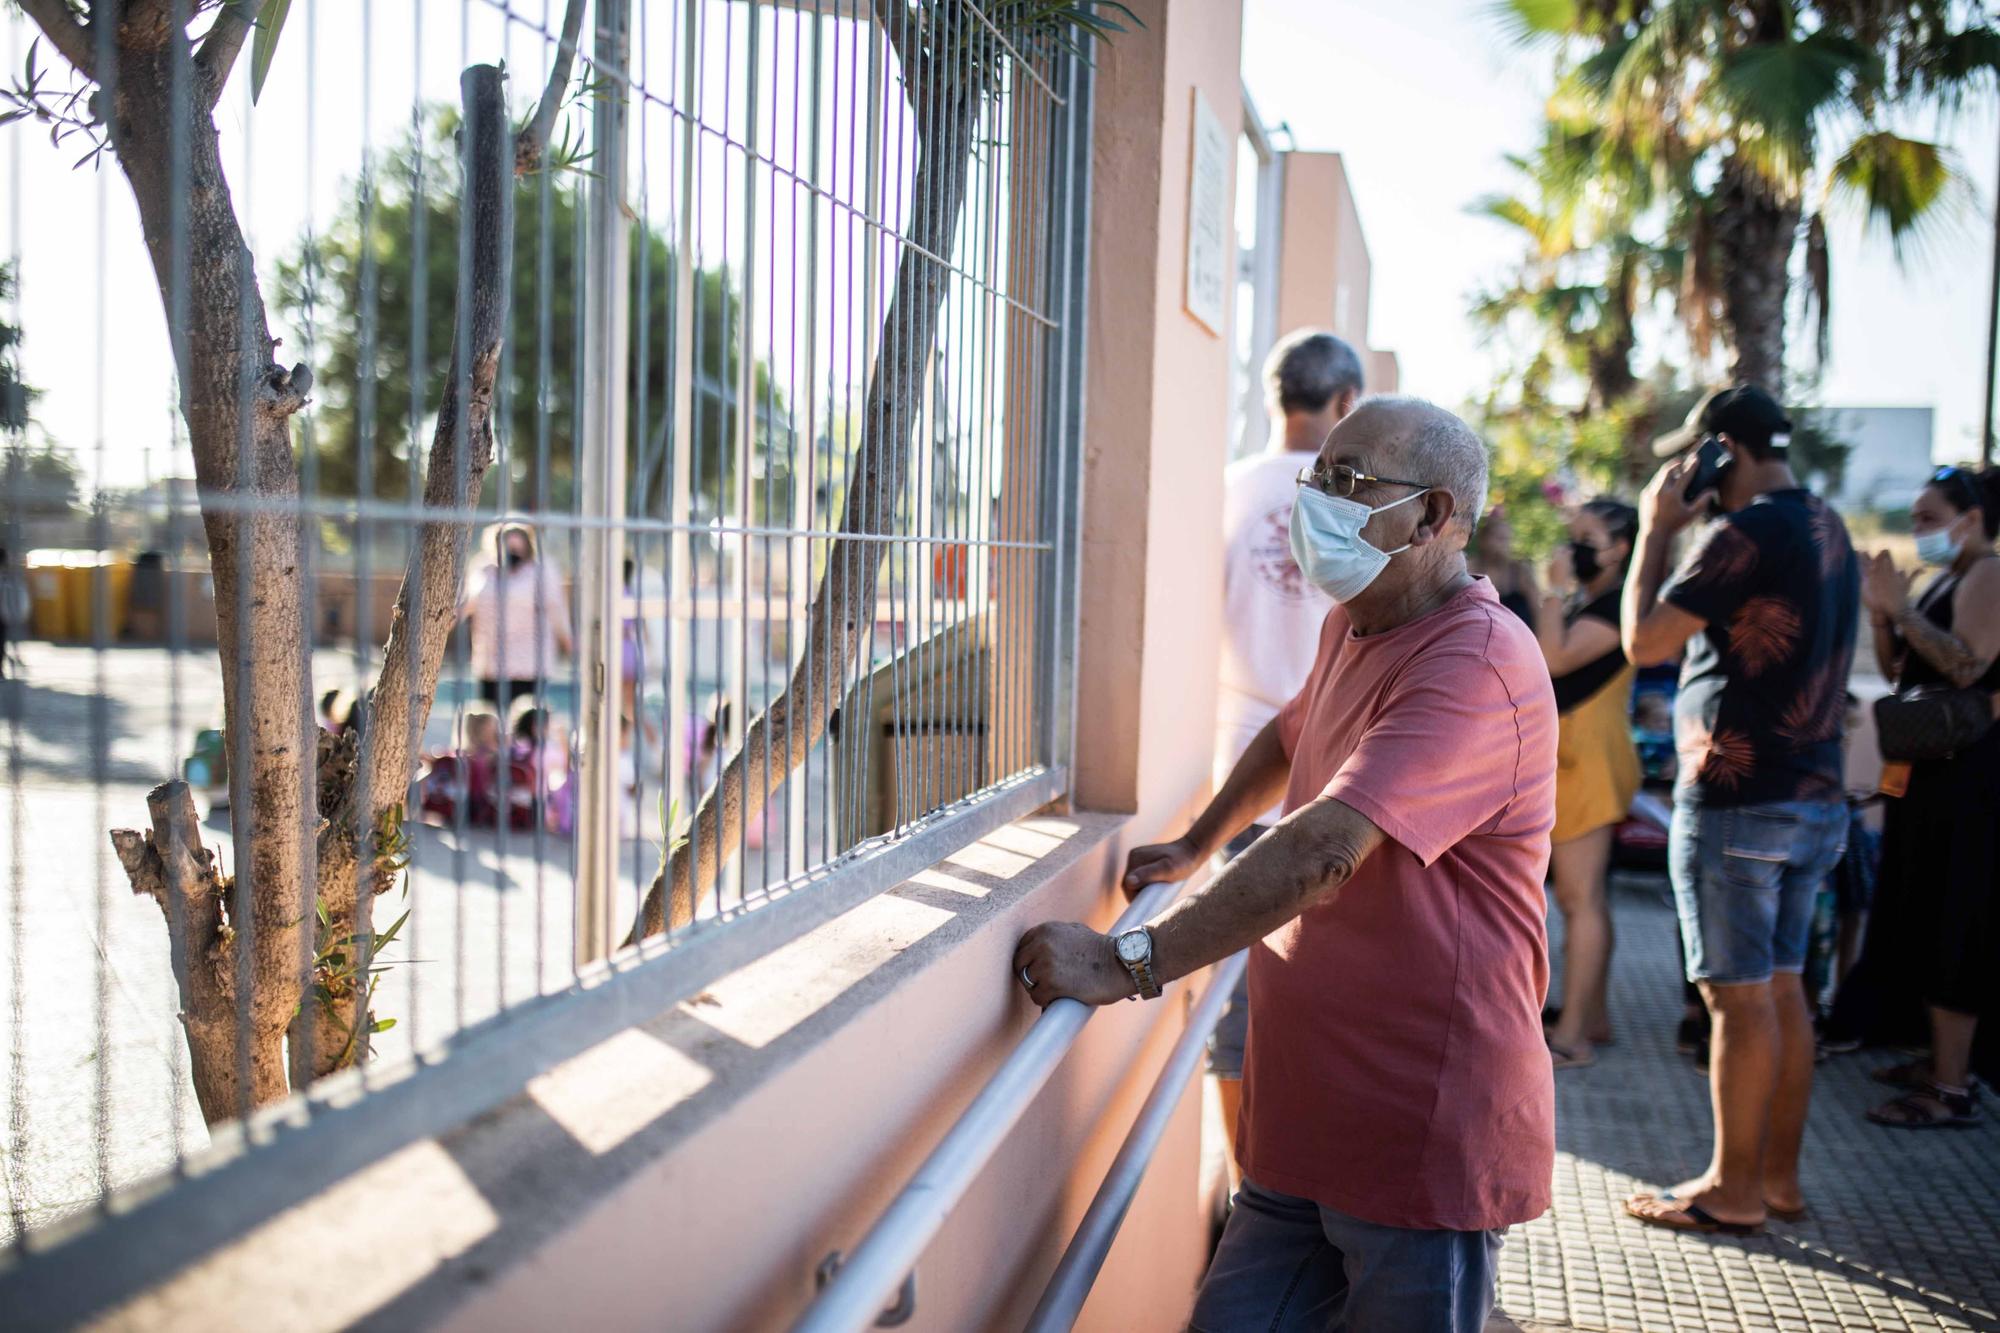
x,y
1742,412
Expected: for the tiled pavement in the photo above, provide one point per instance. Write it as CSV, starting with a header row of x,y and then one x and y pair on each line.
x,y
1904,1231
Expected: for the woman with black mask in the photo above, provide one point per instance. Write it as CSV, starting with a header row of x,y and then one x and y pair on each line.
x,y
520,619
1928,962
1597,765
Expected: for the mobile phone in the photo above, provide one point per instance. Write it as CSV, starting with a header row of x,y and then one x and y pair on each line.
x,y
1709,461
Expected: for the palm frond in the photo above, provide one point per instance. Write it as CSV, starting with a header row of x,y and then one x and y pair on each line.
x,y
1510,210
1907,188
1947,68
1596,71
1777,93
1646,94
1526,22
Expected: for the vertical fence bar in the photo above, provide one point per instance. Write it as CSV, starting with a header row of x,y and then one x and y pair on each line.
x,y
600,576
19,1114
1071,261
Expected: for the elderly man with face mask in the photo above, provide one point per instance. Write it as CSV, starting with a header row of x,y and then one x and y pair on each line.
x,y
1398,1106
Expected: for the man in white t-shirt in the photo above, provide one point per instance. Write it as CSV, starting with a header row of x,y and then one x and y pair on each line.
x,y
1271,614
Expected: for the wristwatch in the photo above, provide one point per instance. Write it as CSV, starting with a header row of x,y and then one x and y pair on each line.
x,y
1135,950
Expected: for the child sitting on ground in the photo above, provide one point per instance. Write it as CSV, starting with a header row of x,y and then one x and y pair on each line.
x,y
540,756
464,782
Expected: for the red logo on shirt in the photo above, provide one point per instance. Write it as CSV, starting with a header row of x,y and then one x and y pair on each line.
x,y
1270,548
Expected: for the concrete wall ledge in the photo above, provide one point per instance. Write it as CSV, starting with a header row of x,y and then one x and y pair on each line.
x,y
691,1171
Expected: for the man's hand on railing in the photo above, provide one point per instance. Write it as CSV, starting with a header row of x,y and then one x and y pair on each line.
x,y
1068,960
1170,862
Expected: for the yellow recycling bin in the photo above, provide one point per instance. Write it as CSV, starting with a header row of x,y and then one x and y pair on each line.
x,y
47,593
65,589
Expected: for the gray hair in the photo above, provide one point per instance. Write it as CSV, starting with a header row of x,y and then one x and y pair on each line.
x,y
1433,445
1309,369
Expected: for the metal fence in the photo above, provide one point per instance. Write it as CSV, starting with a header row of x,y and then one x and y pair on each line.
x,y
769,306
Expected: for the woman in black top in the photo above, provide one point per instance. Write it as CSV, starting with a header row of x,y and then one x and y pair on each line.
x,y
1597,765
1937,929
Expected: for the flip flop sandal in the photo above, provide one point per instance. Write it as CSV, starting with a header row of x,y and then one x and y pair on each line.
x,y
1699,1219
1916,1110
1566,1058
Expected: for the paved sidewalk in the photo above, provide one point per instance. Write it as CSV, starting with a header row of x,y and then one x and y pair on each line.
x,y
1904,1231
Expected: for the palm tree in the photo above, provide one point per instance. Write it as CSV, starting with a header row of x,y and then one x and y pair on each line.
x,y
1584,279
1744,119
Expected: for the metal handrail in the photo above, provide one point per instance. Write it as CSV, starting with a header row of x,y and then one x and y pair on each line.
x,y
1070,1285
870,1277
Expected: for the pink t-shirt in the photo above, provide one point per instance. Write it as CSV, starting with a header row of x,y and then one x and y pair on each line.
x,y
1396,1070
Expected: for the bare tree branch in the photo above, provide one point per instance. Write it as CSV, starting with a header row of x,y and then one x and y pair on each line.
x,y
219,49
533,142
65,31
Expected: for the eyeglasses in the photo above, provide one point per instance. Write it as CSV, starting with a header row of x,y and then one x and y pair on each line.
x,y
1340,480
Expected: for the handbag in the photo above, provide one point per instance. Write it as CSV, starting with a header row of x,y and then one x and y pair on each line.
x,y
1931,722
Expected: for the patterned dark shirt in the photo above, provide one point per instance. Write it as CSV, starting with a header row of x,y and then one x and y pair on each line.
x,y
1763,689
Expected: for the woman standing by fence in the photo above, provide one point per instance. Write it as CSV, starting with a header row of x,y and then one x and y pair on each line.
x,y
520,619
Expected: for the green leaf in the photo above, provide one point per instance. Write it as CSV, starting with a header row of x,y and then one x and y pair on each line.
x,y
382,1025
270,23
1527,21
388,937
1905,187
1950,66
1777,93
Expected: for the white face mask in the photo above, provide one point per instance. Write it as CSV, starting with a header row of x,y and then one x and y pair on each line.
x,y
1326,542
1938,548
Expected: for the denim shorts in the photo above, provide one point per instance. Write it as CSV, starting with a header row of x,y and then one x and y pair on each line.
x,y
1746,878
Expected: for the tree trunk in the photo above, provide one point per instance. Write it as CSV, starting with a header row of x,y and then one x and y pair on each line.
x,y
307,819
1753,232
169,865
844,603
238,405
427,604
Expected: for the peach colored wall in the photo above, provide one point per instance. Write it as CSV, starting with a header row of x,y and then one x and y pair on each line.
x,y
724,1232
1157,424
1384,371
1323,266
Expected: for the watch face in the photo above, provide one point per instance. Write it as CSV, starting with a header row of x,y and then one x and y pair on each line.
x,y
1134,946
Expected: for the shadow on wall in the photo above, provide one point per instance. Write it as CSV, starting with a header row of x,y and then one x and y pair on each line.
x,y
586,1129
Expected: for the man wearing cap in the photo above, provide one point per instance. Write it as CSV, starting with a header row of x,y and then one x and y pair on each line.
x,y
1766,603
